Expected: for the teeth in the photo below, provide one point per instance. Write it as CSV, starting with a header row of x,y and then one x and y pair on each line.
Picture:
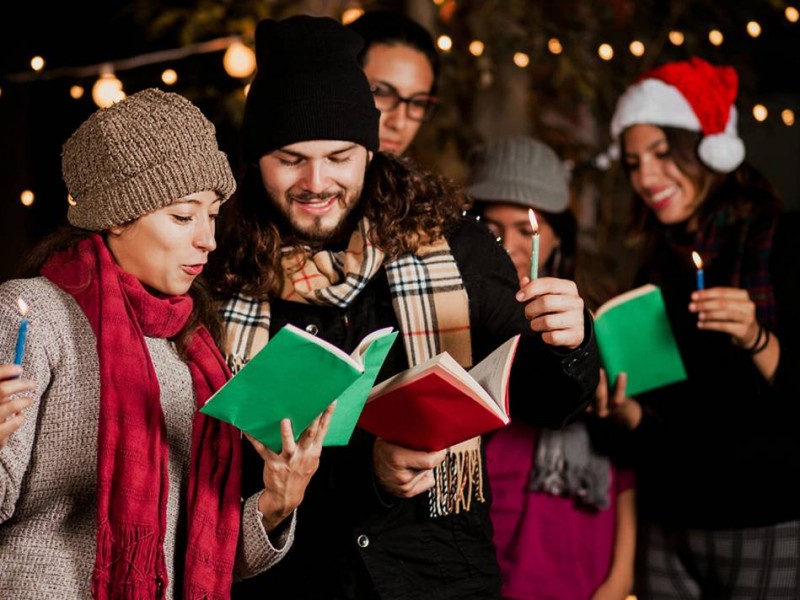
x,y
663,194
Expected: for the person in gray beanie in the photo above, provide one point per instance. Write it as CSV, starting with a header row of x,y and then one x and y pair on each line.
x,y
540,476
339,239
113,484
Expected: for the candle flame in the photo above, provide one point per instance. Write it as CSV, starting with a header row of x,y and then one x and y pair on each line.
x,y
534,222
698,262
23,306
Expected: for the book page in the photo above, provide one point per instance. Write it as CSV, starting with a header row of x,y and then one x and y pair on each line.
x,y
358,354
493,372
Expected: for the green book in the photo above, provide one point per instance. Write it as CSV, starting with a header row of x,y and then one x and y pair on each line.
x,y
297,375
634,336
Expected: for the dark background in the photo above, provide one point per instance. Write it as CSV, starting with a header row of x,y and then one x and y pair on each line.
x,y
37,115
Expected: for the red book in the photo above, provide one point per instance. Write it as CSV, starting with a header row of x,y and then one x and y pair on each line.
x,y
437,404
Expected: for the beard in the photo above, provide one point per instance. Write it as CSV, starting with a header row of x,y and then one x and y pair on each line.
x,y
317,231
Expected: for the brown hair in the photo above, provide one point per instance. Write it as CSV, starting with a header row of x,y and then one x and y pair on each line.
x,y
405,205
203,313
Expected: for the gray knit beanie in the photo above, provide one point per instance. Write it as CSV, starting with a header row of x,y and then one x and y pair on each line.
x,y
519,170
139,155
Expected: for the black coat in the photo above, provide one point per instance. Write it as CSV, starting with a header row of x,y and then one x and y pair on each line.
x,y
353,541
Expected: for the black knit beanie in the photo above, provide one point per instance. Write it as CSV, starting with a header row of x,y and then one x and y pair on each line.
x,y
309,86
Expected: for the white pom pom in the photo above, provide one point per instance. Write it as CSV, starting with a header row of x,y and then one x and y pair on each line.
x,y
721,152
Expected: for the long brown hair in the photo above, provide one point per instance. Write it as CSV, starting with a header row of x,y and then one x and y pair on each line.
x,y
405,205
738,194
203,313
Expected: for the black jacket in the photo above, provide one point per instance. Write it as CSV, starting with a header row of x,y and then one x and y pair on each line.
x,y
353,541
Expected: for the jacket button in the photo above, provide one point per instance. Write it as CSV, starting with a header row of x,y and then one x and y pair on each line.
x,y
362,541
312,329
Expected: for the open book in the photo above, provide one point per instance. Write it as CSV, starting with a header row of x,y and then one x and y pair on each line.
x,y
634,336
437,404
297,375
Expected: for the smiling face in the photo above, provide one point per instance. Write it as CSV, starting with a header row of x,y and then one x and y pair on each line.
x,y
315,185
672,195
167,248
409,73
509,222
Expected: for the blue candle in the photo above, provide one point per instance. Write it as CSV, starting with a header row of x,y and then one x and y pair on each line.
x,y
22,334
698,262
534,244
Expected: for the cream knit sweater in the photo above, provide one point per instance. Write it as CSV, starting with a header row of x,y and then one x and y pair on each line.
x,y
48,468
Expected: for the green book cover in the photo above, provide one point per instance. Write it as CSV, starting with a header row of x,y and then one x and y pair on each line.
x,y
297,375
634,336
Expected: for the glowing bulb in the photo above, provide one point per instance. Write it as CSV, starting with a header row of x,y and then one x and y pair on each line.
x,y
71,200
636,48
676,37
760,112
444,43
76,92
37,63
792,14
787,116
476,47
26,197
351,14
239,60
521,59
107,90
715,37
605,51
554,45
753,29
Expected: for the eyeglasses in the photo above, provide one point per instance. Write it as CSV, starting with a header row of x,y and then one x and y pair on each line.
x,y
419,107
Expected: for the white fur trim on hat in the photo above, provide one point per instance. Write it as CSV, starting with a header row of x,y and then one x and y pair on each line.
x,y
654,102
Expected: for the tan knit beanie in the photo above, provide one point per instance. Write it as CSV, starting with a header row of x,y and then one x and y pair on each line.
x,y
140,155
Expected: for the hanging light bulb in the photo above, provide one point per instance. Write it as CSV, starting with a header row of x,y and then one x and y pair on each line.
x,y
169,76
239,60
107,89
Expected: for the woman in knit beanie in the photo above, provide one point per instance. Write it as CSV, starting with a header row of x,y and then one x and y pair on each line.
x,y
113,484
716,454
563,513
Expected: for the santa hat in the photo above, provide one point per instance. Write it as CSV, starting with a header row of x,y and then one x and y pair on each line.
x,y
693,95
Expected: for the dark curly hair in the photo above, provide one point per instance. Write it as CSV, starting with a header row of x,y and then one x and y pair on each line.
x,y
405,205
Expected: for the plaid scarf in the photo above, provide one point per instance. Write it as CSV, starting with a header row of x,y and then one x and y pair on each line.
x,y
132,447
431,305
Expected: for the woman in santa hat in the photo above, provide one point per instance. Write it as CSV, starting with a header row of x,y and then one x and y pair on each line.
x,y
717,454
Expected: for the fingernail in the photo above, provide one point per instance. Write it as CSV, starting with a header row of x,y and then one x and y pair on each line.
x,y
520,296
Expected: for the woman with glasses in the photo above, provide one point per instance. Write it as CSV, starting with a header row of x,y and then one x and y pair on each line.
x,y
400,61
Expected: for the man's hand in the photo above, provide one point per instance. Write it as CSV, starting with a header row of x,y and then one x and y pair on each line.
x,y
403,472
554,309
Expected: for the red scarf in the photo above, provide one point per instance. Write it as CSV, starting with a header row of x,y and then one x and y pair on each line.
x,y
132,450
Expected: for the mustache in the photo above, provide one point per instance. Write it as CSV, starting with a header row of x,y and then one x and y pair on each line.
x,y
308,196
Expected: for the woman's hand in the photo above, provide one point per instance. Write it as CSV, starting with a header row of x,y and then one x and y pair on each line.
x,y
618,406
286,475
13,400
729,310
555,309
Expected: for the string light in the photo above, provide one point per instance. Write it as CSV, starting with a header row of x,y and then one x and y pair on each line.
x,y
37,63
444,43
760,113
554,45
787,116
792,14
715,37
676,37
26,197
753,29
169,77
636,48
107,89
605,51
521,59
239,60
76,92
476,47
